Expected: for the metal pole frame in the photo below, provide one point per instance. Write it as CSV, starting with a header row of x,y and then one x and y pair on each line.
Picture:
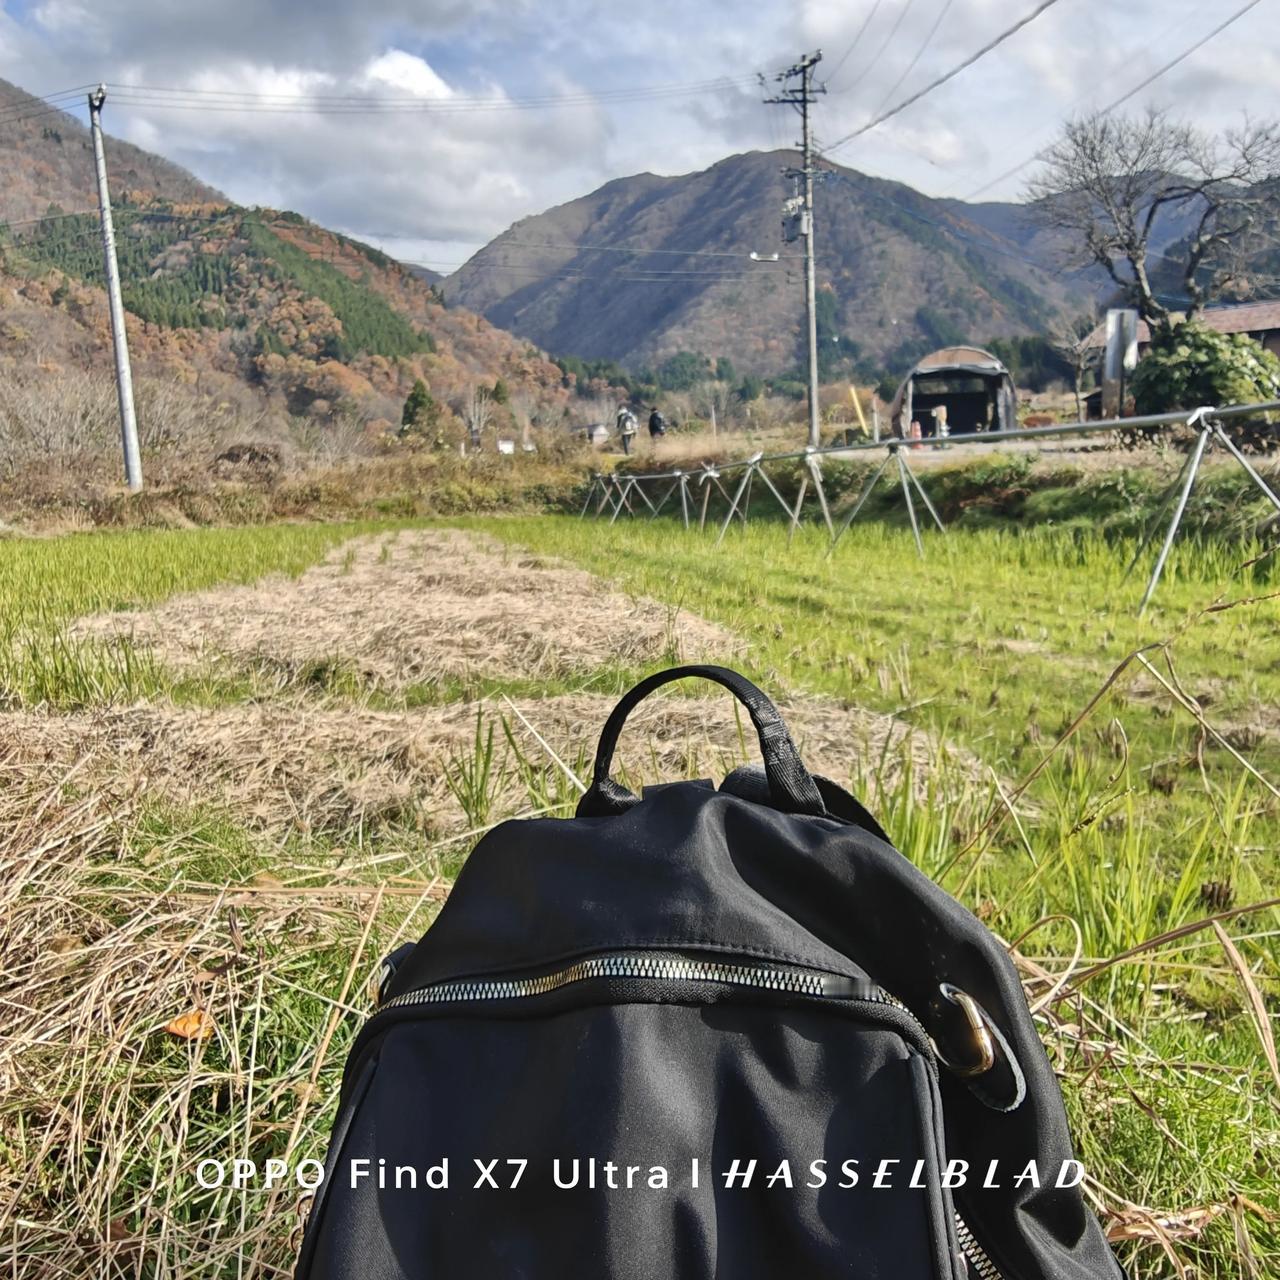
x,y
637,487
867,490
675,484
905,477
924,497
795,515
1197,419
1208,423
743,491
814,464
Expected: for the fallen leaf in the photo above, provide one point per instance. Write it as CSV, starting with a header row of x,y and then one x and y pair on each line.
x,y
1139,1224
196,1025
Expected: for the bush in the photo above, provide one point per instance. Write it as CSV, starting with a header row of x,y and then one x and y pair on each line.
x,y
1189,365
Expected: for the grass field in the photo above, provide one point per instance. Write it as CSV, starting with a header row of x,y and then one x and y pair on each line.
x,y
214,805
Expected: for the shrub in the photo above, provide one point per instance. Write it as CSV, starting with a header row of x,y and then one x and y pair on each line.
x,y
1189,365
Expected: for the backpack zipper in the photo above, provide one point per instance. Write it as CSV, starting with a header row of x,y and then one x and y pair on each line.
x,y
974,1253
673,967
660,967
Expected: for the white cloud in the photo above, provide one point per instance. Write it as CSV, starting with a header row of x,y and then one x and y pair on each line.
x,y
447,180
400,70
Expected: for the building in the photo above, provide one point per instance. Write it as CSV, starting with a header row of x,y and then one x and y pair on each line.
x,y
971,384
1260,320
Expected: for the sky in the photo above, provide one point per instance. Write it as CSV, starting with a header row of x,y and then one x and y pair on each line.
x,y
534,102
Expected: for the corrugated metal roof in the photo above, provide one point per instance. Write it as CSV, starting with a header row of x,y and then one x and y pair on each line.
x,y
1240,317
959,357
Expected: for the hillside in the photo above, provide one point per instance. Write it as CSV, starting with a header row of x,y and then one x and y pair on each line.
x,y
258,308
47,158
901,272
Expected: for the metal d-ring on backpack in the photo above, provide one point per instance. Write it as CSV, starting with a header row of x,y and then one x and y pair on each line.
x,y
701,1033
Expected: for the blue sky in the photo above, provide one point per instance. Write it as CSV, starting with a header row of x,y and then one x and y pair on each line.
x,y
434,187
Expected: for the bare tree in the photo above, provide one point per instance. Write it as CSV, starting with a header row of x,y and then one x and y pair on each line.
x,y
1110,184
715,401
477,411
1071,337
525,409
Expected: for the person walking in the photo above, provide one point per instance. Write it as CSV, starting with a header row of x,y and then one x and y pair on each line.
x,y
657,423
626,428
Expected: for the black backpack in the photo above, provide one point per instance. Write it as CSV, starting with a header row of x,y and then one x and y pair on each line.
x,y
701,1033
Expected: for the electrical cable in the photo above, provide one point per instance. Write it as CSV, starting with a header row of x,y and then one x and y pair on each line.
x,y
1004,35
866,22
34,102
320,104
911,66
874,60
1124,97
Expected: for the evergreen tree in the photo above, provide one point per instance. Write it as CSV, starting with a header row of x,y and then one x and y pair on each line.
x,y
418,406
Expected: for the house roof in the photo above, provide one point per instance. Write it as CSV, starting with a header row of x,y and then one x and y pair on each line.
x,y
1240,317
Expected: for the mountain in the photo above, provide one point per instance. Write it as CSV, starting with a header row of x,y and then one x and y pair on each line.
x,y
902,272
254,306
46,157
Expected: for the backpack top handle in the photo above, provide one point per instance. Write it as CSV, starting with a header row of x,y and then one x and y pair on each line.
x,y
792,788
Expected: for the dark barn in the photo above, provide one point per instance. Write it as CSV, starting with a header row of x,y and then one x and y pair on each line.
x,y
969,384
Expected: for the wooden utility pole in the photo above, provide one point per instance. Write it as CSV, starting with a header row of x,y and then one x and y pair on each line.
x,y
120,341
799,91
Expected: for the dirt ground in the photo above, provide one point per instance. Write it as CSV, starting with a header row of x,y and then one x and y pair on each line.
x,y
406,608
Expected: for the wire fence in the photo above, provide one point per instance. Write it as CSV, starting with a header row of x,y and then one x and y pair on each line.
x,y
689,492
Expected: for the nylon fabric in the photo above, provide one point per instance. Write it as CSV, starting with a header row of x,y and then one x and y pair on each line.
x,y
639,1065
600,1079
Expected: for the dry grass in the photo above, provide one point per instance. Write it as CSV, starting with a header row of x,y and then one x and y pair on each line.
x,y
245,866
312,768
416,607
105,1113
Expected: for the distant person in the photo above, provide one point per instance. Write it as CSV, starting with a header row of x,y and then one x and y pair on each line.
x,y
657,423
627,427
940,429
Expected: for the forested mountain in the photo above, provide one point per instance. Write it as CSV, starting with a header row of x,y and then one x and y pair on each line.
x,y
669,269
255,306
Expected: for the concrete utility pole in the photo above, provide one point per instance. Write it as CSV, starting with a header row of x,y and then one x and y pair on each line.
x,y
120,341
799,91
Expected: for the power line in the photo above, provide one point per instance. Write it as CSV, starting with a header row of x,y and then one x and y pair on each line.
x,y
950,75
984,245
417,99
888,40
911,66
1125,97
319,104
844,57
1128,58
33,101
638,250
40,107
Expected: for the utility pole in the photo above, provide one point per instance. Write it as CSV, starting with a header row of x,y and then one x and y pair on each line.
x,y
799,91
120,341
